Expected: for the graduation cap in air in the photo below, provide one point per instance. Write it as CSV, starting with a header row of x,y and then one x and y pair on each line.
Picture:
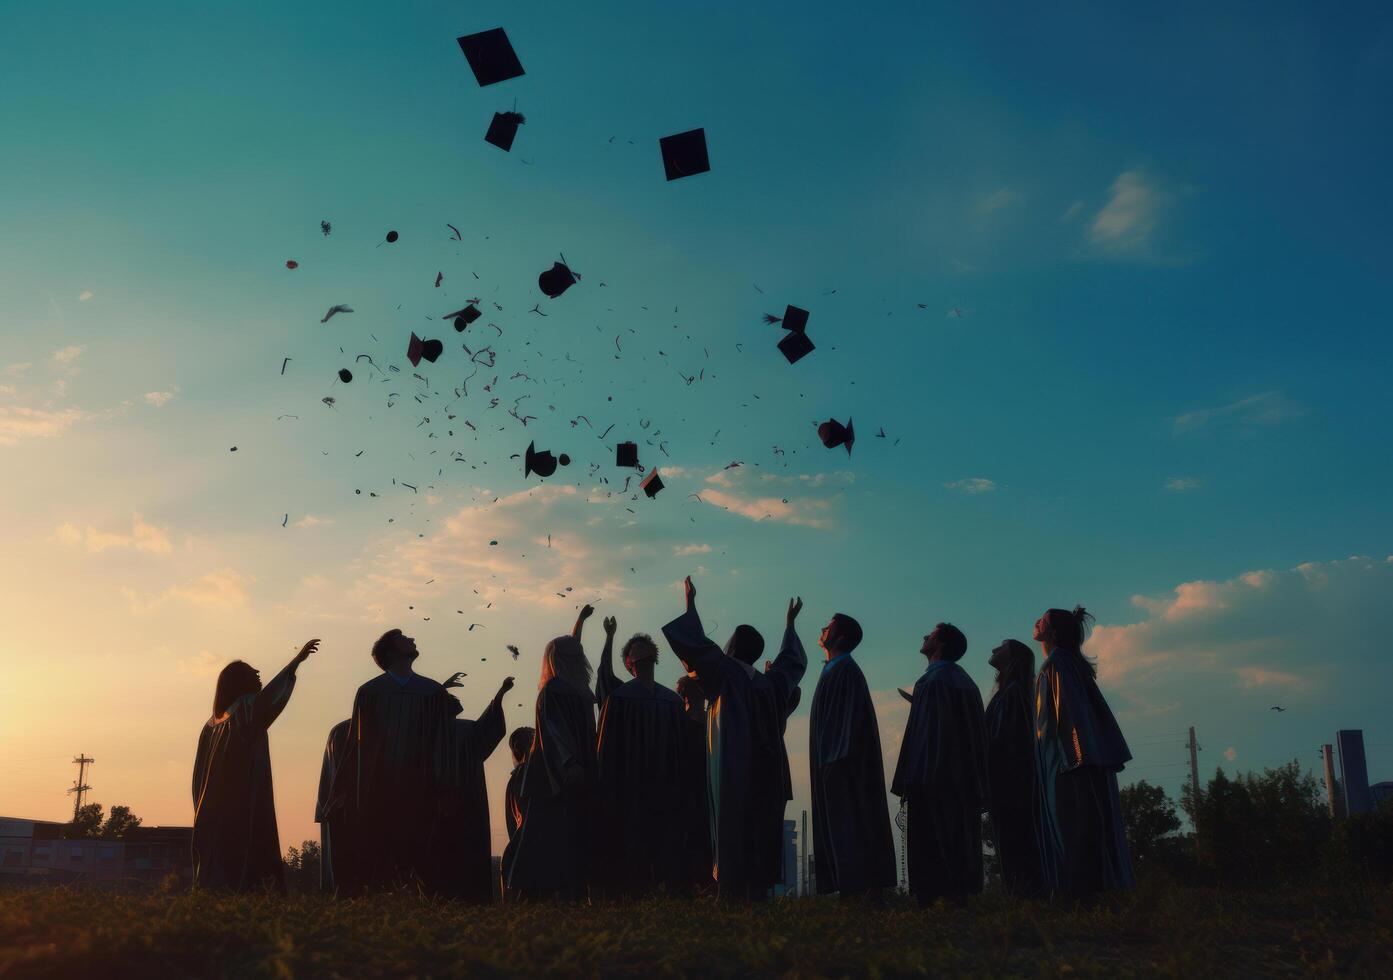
x,y
464,317
652,483
557,279
418,348
834,434
626,454
491,56
795,346
504,129
795,318
684,154
543,463
345,375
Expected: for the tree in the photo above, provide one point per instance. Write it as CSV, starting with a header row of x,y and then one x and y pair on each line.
x,y
87,822
302,867
1149,818
119,822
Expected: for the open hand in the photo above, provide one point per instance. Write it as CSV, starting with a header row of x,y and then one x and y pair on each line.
x,y
306,650
795,606
611,624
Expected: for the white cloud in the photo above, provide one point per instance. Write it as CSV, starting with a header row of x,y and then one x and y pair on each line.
x,y
18,423
1127,221
309,520
1072,211
803,511
67,355
226,588
972,485
84,296
142,537
1000,198
205,663
16,369
1180,484
1266,408
1230,753
160,398
682,550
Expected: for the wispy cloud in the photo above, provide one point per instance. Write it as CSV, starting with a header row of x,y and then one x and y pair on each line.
x,y
159,399
682,550
84,296
972,485
1072,211
142,537
1127,221
1267,408
1181,484
226,587
16,369
19,423
66,355
1002,197
310,520
1230,753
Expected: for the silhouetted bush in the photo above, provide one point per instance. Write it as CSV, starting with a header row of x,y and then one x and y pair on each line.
x,y
1362,846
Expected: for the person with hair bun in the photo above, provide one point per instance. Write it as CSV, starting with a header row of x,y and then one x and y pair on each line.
x,y
1081,751
1012,768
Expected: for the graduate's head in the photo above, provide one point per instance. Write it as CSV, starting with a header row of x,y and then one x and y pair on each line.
x,y
640,648
393,648
237,680
691,692
520,744
946,642
1014,662
1062,628
842,634
745,644
564,657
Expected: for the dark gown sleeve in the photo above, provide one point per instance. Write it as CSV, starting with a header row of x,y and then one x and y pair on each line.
x,y
606,680
697,652
788,669
944,746
268,703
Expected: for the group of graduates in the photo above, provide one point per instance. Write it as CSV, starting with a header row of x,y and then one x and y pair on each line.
x,y
626,787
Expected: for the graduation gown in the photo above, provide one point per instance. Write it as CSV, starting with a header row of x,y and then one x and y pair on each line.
x,y
639,789
235,843
396,772
335,844
748,781
696,816
851,819
942,775
1015,785
1081,752
464,845
551,853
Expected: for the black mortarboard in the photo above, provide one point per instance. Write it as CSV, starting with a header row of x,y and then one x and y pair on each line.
x,y
626,454
652,483
834,434
684,154
795,318
504,129
418,348
464,317
542,462
392,236
556,280
795,346
490,56
345,375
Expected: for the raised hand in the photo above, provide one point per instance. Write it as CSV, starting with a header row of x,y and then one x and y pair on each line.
x,y
306,650
611,624
504,688
586,611
689,589
795,606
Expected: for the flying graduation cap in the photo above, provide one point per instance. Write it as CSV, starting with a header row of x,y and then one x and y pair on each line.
x,y
345,375
504,129
491,56
652,483
834,434
418,348
795,345
626,455
557,279
684,154
542,462
464,317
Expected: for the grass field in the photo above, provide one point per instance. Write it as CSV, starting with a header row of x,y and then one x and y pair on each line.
x,y
1158,930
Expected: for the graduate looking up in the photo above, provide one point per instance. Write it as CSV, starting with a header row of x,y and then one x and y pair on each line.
x,y
851,819
465,845
551,854
748,780
235,842
336,869
1081,752
397,769
639,742
519,746
942,774
1012,769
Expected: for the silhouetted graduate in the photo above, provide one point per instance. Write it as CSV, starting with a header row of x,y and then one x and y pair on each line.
x,y
398,767
696,813
1081,752
747,763
851,820
552,850
335,844
235,843
942,774
639,742
464,847
520,746
1012,769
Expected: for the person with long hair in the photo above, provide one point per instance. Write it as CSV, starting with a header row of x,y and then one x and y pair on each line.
x,y
235,842
336,854
1081,752
551,856
1011,768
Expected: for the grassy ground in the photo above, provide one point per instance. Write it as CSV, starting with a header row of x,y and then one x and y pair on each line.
x,y
1158,930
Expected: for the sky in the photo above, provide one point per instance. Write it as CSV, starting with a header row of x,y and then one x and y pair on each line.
x,y
1112,283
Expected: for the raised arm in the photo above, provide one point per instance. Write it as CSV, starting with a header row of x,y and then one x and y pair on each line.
x,y
791,663
271,700
606,680
586,611
696,651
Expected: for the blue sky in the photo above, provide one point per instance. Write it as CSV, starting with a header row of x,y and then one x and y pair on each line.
x,y
1165,397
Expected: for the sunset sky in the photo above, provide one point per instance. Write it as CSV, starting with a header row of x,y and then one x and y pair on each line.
x,y
1114,285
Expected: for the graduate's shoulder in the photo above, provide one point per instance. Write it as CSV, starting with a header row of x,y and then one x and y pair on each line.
x,y
636,690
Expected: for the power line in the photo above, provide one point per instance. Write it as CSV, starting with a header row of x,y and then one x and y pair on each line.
x,y
80,787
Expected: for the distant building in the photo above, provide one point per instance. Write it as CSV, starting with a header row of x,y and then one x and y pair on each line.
x,y
35,851
1354,776
1381,793
789,884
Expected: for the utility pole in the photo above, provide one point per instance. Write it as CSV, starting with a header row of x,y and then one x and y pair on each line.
x,y
805,854
1328,754
1194,767
80,787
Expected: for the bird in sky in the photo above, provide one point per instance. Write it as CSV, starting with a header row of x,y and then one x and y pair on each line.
x,y
1277,707
337,308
